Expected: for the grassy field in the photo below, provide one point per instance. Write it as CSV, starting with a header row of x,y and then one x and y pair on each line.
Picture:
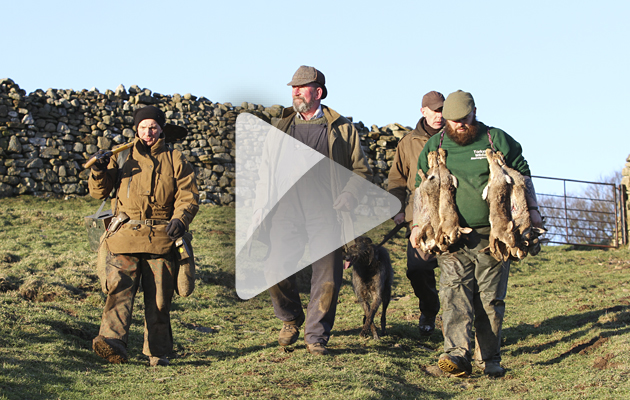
x,y
566,331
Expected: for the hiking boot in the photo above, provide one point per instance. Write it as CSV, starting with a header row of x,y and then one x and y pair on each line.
x,y
317,349
113,350
426,325
290,332
494,370
158,361
454,365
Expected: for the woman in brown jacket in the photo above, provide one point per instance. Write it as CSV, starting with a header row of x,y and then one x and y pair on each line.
x,y
156,191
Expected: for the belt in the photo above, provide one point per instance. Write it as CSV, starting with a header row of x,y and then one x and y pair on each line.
x,y
149,222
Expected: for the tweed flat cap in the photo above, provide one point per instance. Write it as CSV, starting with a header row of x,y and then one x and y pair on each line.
x,y
305,75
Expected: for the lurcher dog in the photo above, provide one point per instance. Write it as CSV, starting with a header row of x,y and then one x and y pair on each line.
x,y
372,278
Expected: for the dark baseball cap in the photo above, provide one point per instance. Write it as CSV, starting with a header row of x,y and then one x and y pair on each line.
x,y
305,75
434,100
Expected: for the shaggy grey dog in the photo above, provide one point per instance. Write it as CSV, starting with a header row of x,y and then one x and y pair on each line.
x,y
372,278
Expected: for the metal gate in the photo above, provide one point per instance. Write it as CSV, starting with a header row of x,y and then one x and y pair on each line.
x,y
581,212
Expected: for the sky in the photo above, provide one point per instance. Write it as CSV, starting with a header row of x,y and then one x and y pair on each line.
x,y
553,74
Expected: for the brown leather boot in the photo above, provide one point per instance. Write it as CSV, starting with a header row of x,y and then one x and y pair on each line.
x,y
290,332
158,361
317,349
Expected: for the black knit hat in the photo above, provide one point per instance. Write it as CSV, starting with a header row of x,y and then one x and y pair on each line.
x,y
149,112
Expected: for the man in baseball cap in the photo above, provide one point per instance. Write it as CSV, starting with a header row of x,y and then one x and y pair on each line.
x,y
402,181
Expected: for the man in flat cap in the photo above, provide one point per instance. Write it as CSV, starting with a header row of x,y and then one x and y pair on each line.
x,y
312,206
402,183
473,283
156,200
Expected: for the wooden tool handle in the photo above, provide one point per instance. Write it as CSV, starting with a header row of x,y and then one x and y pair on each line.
x,y
92,160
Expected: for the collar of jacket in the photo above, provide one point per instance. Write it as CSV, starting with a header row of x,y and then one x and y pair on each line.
x,y
419,131
331,115
157,148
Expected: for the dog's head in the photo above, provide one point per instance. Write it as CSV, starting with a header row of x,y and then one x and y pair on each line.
x,y
360,253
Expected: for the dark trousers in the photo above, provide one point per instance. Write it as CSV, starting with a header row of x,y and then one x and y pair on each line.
x,y
300,225
124,272
422,277
322,307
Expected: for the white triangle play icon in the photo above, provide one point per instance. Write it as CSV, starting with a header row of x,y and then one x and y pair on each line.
x,y
285,219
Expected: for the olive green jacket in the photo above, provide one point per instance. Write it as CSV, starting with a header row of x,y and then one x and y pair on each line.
x,y
344,147
156,183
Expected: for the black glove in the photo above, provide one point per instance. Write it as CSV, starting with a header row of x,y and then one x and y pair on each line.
x,y
102,160
175,229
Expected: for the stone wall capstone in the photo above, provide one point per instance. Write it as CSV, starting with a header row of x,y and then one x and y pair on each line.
x,y
47,136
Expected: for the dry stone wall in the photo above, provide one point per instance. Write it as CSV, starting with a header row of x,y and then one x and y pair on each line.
x,y
47,136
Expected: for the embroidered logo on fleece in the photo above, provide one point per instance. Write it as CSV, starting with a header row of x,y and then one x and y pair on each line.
x,y
479,155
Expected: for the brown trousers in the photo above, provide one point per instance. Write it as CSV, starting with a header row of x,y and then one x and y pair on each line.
x,y
124,273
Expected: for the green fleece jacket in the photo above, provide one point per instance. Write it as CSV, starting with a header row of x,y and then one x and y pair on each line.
x,y
470,167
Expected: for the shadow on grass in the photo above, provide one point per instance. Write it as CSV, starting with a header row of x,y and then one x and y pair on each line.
x,y
212,275
402,389
16,370
397,387
395,331
28,373
398,355
568,323
208,357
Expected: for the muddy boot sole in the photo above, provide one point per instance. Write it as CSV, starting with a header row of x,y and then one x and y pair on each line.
x,y
451,366
108,351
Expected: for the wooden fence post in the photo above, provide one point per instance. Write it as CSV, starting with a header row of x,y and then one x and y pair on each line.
x,y
625,194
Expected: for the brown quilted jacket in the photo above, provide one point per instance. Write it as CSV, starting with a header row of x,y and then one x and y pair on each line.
x,y
155,183
402,174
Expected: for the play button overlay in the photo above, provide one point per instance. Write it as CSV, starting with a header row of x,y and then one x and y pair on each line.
x,y
291,206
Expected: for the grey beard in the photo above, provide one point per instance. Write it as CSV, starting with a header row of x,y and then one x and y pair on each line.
x,y
301,106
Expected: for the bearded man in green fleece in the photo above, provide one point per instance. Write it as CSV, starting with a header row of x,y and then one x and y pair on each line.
x,y
473,284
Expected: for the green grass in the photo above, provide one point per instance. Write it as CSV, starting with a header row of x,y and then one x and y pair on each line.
x,y
566,331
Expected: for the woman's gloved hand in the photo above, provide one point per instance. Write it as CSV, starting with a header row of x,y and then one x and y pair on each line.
x,y
175,229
